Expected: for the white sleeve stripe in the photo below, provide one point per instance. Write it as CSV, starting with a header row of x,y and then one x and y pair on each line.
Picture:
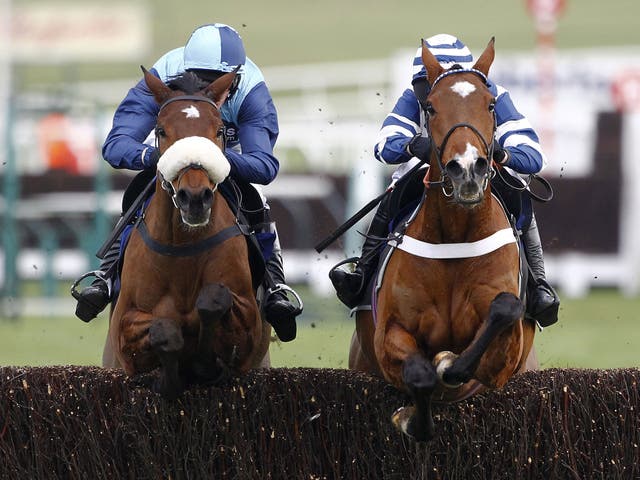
x,y
512,126
390,130
379,147
515,140
406,121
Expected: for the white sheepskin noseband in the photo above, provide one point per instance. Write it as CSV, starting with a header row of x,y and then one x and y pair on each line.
x,y
194,151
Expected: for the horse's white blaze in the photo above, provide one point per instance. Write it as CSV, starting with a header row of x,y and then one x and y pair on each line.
x,y
463,88
468,158
191,112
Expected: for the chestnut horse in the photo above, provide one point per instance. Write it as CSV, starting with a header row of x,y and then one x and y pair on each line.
x,y
448,318
187,303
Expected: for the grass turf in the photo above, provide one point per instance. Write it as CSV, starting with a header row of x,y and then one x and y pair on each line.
x,y
599,331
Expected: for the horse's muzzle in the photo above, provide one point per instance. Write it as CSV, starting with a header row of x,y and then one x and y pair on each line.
x,y
195,206
468,180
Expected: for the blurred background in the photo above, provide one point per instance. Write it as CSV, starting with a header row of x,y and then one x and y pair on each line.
x,y
334,69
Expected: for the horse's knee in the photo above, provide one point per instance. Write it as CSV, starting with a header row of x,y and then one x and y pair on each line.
x,y
505,309
214,301
165,336
418,374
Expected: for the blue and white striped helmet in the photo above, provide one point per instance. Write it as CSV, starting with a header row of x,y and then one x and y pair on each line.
x,y
447,49
214,47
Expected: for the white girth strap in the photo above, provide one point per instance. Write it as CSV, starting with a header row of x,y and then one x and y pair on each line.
x,y
455,250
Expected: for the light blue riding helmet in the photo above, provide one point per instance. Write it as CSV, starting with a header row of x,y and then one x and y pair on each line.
x,y
447,49
214,47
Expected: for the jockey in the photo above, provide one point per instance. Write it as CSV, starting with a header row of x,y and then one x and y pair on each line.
x,y
403,140
251,131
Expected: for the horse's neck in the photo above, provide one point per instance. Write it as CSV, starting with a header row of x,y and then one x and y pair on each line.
x,y
440,220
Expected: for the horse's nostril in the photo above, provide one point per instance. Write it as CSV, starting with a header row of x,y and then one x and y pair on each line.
x,y
481,166
454,169
182,197
207,197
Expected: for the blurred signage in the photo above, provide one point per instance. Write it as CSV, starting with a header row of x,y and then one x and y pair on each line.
x,y
59,32
545,10
586,83
625,91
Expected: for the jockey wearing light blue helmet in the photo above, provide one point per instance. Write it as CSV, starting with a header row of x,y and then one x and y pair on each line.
x,y
403,140
251,125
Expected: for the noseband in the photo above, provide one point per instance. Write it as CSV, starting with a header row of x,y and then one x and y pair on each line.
x,y
167,185
438,149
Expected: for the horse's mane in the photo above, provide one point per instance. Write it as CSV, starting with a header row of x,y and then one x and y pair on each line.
x,y
188,82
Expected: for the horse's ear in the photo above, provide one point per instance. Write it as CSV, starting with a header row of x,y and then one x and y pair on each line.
x,y
431,64
160,91
486,59
219,89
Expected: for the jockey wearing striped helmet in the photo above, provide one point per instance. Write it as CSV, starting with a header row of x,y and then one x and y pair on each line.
x,y
403,141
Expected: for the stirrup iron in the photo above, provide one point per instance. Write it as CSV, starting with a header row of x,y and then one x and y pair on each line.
x,y
94,273
281,287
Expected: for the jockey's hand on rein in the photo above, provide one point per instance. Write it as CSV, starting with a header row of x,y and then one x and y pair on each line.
x,y
500,155
153,158
419,147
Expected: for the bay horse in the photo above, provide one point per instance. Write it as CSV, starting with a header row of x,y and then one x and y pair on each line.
x,y
187,302
447,321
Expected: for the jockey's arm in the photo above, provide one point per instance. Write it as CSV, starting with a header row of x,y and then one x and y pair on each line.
x,y
516,135
257,131
133,120
398,128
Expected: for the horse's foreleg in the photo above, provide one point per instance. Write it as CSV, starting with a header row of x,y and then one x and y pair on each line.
x,y
213,304
504,311
404,365
421,379
165,339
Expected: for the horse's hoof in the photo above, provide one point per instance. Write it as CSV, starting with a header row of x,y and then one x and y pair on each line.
x,y
401,419
444,361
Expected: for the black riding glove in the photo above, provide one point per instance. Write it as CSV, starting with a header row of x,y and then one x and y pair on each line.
x,y
152,158
500,155
419,147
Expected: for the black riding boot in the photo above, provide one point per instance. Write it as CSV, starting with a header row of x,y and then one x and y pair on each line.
x,y
350,285
93,299
279,311
542,302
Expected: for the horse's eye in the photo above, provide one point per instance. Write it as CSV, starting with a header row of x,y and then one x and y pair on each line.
x,y
492,107
160,132
220,132
430,110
